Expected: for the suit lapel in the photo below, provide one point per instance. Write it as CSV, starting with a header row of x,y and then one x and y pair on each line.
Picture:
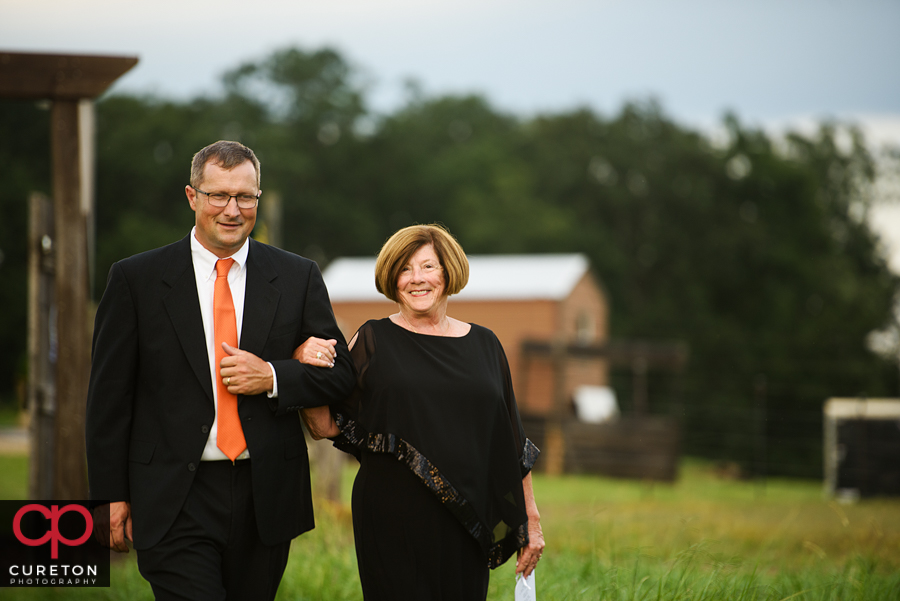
x,y
183,306
260,301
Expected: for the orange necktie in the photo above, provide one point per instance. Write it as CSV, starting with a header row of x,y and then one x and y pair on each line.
x,y
230,435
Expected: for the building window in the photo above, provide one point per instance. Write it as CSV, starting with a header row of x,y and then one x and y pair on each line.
x,y
584,328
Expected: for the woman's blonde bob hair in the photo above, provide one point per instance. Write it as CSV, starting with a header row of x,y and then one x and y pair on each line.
x,y
400,248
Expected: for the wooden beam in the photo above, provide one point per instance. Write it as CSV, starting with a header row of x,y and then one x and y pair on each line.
x,y
41,337
640,355
73,362
669,355
59,76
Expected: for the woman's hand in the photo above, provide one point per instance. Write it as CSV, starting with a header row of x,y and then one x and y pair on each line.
x,y
529,555
316,351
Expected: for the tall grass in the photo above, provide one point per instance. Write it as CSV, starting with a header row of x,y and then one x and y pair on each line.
x,y
701,539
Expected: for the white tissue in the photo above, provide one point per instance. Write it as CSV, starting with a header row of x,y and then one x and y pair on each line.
x,y
525,588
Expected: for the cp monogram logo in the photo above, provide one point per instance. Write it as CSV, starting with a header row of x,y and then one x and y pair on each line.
x,y
53,534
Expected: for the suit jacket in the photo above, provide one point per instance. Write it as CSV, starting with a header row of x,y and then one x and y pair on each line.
x,y
150,398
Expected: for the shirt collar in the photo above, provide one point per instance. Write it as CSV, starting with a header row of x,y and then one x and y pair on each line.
x,y
205,261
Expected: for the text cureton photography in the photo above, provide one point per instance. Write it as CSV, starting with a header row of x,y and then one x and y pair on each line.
x,y
50,543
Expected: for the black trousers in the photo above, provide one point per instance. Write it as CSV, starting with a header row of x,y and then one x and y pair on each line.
x,y
213,551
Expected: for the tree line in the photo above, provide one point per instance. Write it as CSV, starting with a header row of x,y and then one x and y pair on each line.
x,y
753,250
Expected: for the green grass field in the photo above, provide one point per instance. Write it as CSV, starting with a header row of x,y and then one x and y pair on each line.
x,y
700,539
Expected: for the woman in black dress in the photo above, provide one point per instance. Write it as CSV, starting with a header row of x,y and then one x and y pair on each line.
x,y
444,488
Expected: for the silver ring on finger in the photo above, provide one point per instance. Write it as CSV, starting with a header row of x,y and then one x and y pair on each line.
x,y
319,355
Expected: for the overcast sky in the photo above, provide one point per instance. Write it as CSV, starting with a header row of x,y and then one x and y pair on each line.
x,y
770,61
775,63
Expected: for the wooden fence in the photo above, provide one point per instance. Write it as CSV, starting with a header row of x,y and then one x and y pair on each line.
x,y
644,448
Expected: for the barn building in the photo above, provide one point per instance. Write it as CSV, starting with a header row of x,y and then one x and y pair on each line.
x,y
527,300
552,316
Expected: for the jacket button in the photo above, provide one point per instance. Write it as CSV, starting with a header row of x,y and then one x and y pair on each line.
x,y
248,419
191,467
205,429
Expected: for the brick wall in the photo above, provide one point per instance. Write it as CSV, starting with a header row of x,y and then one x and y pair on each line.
x,y
583,315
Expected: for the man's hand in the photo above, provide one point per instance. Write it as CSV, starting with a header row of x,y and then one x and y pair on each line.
x,y
112,525
319,422
244,373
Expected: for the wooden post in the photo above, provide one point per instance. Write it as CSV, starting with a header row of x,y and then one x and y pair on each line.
x,y
640,403
555,452
59,316
272,216
328,463
73,356
760,467
41,348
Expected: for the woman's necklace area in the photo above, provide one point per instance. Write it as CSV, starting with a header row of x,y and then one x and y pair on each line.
x,y
442,333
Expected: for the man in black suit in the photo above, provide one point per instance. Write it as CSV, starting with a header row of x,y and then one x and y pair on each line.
x,y
210,493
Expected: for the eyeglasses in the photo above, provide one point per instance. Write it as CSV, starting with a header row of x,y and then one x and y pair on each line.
x,y
427,268
220,200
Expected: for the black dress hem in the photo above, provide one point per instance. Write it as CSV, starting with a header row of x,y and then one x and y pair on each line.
x,y
355,440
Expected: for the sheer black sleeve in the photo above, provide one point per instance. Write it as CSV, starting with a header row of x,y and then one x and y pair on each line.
x,y
346,413
526,450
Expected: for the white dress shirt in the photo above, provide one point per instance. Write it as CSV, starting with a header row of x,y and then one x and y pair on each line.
x,y
205,272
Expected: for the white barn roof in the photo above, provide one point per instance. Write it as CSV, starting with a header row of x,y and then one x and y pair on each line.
x,y
491,277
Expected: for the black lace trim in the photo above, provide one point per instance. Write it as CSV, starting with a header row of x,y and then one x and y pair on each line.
x,y
354,439
529,456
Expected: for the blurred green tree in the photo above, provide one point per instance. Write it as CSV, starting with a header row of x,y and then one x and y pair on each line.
x,y
752,249
25,156
756,254
309,142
